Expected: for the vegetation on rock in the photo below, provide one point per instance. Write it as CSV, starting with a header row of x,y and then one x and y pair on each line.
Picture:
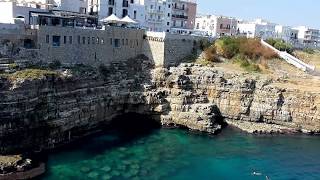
x,y
250,54
31,74
280,44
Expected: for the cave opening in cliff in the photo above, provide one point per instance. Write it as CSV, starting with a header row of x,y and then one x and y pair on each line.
x,y
134,124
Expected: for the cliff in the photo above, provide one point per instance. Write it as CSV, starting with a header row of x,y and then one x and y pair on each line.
x,y
41,113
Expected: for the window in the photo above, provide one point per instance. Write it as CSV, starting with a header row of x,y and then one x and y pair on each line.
x,y
110,11
102,41
55,41
110,41
151,7
83,40
169,6
97,40
168,14
127,42
168,23
134,14
47,38
64,39
88,40
116,42
124,12
122,42
93,40
70,39
79,39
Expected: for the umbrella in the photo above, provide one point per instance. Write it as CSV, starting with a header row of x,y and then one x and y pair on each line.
x,y
128,20
111,19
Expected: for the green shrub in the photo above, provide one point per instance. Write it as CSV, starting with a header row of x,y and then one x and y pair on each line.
x,y
227,47
13,66
103,70
55,64
282,46
247,64
204,44
210,54
309,50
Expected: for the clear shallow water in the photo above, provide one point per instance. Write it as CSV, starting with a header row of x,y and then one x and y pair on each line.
x,y
181,155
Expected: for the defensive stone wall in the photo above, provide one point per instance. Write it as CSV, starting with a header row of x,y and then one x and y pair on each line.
x,y
88,46
112,44
167,49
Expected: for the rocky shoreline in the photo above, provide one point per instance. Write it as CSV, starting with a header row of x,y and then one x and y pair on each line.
x,y
58,108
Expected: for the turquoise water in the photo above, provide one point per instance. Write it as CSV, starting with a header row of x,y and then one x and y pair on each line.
x,y
181,155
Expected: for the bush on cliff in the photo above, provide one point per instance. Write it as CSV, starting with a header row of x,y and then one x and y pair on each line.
x,y
280,44
229,47
31,74
210,54
309,51
247,64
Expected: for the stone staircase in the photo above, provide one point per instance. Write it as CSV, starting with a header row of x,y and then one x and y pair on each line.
x,y
291,59
5,64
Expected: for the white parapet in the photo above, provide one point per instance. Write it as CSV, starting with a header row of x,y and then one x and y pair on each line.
x,y
290,59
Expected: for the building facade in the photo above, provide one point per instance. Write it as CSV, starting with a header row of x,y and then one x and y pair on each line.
x,y
287,33
216,26
308,36
158,15
135,9
16,12
183,16
79,6
258,28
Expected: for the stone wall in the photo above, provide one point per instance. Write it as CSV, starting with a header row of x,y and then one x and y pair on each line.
x,y
88,46
167,49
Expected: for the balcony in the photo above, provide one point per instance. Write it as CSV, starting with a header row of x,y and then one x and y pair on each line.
x,y
155,20
155,11
179,16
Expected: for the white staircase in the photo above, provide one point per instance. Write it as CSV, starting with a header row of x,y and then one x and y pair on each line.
x,y
291,59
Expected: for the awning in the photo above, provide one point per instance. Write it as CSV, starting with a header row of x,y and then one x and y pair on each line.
x,y
111,19
128,20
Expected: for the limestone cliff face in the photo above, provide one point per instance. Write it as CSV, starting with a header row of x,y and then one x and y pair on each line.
x,y
44,113
241,97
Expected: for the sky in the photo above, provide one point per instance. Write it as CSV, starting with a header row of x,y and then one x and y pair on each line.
x,y
286,12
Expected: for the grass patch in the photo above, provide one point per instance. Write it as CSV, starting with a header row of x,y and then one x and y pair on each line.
x,y
30,74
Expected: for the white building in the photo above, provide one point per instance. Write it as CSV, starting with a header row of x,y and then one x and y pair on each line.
x,y
158,15
135,9
308,36
216,26
13,12
258,28
78,6
287,33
